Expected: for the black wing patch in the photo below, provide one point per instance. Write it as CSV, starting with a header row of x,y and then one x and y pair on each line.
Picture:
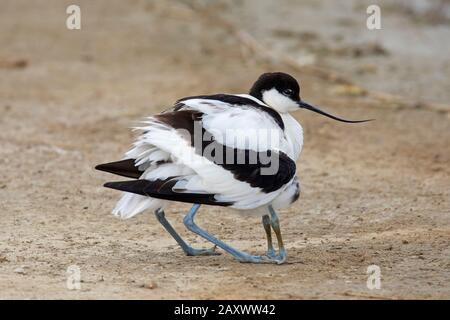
x,y
182,119
162,189
271,171
124,168
268,170
239,101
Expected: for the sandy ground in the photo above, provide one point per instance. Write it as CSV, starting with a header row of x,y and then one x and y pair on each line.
x,y
375,193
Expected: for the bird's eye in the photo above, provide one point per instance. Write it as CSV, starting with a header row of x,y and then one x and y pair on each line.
x,y
287,92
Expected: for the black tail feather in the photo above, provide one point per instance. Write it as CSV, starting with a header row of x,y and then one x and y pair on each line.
x,y
162,189
125,168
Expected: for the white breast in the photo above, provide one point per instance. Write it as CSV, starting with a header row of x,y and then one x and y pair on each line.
x,y
294,136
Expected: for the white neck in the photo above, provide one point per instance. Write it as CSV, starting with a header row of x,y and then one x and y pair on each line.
x,y
278,101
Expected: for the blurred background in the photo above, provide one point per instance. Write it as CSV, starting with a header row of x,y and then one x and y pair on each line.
x,y
376,193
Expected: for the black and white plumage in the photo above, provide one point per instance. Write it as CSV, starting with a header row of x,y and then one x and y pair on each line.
x,y
233,150
162,153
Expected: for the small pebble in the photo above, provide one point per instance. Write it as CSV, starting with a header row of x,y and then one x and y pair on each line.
x,y
20,270
150,285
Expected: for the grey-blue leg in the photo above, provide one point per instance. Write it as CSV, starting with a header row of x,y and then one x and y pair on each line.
x,y
188,250
282,255
267,227
239,255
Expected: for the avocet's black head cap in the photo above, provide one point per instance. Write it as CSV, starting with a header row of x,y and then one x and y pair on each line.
x,y
282,92
282,82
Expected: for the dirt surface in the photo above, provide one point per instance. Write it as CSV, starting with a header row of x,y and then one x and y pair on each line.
x,y
375,193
